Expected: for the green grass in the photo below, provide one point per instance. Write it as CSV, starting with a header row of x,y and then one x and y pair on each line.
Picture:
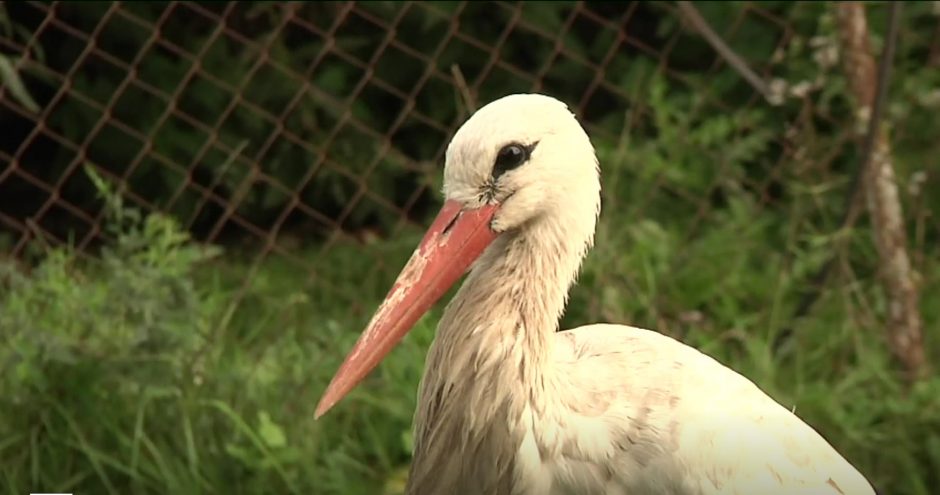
x,y
164,367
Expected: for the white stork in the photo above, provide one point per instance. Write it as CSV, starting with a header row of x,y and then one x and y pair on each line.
x,y
509,406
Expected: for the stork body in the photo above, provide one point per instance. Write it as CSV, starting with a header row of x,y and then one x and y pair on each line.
x,y
510,406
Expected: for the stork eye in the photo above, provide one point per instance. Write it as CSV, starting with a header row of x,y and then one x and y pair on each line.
x,y
511,156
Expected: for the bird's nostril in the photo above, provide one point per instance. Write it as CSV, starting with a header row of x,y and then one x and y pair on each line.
x,y
451,224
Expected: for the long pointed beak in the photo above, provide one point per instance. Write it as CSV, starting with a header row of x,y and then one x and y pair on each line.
x,y
457,237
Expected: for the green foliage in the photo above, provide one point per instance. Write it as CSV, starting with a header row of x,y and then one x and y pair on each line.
x,y
139,372
81,341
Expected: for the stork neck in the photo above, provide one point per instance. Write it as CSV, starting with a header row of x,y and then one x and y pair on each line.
x,y
501,321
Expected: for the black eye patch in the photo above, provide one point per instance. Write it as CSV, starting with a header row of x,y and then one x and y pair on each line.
x,y
512,156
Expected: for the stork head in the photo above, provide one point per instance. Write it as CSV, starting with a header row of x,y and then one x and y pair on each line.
x,y
528,155
520,164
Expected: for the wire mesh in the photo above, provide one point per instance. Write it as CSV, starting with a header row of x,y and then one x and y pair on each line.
x,y
262,124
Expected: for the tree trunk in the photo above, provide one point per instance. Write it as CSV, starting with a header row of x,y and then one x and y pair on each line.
x,y
904,332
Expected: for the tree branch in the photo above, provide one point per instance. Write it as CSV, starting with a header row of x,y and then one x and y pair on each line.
x,y
734,60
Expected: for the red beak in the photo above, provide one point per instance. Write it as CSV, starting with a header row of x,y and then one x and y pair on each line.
x,y
457,237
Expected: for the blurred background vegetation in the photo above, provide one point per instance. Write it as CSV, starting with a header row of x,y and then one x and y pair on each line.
x,y
202,204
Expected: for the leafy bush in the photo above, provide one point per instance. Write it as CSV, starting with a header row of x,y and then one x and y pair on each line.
x,y
91,349
141,372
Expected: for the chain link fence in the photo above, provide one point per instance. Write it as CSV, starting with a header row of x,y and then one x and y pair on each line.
x,y
277,126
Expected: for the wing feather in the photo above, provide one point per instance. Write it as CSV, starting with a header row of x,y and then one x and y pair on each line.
x,y
673,420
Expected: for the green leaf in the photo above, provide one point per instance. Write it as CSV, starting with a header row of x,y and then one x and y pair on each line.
x,y
270,432
11,79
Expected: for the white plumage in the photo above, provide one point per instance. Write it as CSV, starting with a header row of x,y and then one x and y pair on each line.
x,y
507,406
